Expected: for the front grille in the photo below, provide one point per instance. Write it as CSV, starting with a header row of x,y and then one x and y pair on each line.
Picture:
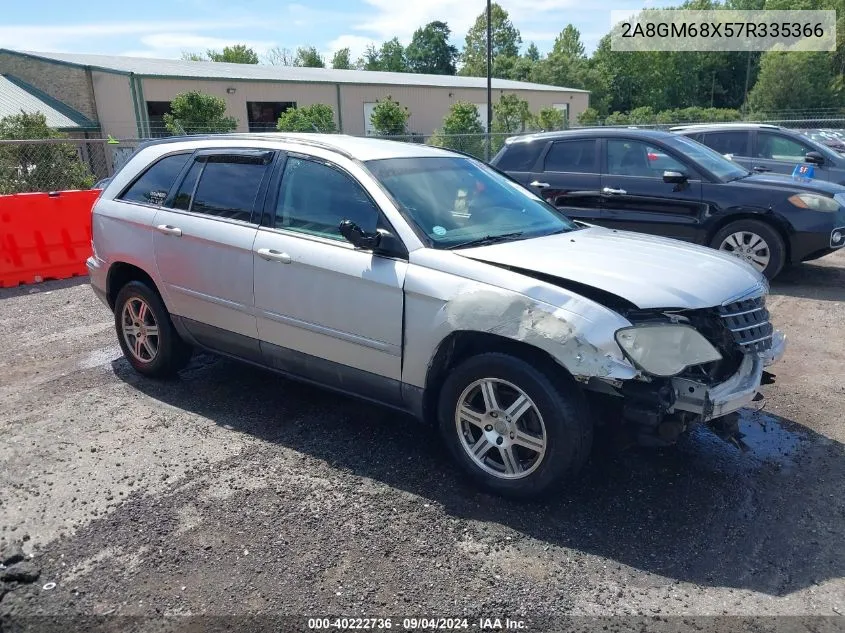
x,y
748,322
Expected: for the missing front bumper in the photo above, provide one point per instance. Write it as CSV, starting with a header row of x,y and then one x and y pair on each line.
x,y
733,394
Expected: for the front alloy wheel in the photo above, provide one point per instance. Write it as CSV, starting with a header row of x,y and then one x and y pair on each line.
x,y
518,428
500,428
749,247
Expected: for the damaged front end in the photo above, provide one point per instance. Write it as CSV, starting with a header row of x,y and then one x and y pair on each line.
x,y
661,408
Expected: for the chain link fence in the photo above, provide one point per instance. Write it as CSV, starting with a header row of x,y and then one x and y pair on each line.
x,y
62,164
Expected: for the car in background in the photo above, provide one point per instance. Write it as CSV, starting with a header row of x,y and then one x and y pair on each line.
x,y
765,148
426,281
666,184
834,139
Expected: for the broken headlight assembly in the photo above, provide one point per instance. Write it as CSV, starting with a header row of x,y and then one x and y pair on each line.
x,y
665,349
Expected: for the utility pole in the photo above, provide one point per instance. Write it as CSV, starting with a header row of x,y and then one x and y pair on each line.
x,y
489,80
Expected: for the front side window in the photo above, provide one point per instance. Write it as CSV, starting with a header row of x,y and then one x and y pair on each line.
x,y
627,157
456,201
315,198
777,147
153,185
224,186
702,156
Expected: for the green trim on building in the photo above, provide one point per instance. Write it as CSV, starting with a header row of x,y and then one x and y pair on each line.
x,y
135,105
339,110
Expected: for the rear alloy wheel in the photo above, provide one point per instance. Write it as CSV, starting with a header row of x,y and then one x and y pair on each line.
x,y
754,242
518,429
146,334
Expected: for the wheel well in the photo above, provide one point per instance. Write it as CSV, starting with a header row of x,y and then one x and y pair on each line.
x,y
769,220
463,344
121,274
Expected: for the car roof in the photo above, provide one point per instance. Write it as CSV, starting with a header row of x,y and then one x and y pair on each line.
x,y
626,132
355,147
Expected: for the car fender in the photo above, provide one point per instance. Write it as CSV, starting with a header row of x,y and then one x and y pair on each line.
x,y
576,332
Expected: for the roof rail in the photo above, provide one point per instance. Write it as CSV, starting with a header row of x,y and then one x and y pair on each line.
x,y
271,136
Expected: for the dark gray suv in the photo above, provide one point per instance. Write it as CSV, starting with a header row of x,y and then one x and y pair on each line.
x,y
769,148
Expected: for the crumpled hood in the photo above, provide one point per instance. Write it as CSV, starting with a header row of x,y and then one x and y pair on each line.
x,y
648,271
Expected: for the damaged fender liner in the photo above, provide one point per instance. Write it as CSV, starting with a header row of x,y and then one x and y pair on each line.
x,y
607,299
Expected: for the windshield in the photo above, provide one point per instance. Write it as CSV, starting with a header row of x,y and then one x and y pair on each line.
x,y
714,162
456,201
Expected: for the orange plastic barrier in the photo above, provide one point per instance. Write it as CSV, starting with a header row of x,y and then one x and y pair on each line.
x,y
44,235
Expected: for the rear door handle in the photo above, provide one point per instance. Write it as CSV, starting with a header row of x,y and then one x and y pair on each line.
x,y
614,192
169,230
540,185
274,256
760,168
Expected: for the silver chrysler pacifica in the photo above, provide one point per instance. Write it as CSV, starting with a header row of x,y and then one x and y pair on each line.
x,y
427,281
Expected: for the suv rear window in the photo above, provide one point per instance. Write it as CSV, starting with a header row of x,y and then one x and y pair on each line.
x,y
153,185
227,187
520,156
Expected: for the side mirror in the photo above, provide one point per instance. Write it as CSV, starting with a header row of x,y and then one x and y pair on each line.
x,y
815,158
675,177
359,238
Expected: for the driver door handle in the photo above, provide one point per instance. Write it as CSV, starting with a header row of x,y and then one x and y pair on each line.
x,y
274,256
540,185
761,169
614,192
169,230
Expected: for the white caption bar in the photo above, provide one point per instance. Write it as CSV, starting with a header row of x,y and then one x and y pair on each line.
x,y
669,30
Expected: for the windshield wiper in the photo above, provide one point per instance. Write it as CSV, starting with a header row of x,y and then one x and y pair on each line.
x,y
487,239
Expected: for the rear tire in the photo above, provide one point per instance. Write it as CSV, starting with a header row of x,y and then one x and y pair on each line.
x,y
146,334
755,242
516,430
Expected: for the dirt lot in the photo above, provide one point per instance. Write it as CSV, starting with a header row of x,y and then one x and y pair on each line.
x,y
234,491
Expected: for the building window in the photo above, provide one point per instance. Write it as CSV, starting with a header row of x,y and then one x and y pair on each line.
x,y
564,109
369,106
155,115
264,115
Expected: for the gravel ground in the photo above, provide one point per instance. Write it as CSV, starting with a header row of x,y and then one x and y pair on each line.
x,y
234,491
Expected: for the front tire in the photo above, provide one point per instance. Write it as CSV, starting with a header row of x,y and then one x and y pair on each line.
x,y
146,334
517,431
755,242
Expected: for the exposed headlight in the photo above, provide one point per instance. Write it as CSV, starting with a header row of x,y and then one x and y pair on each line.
x,y
814,202
665,349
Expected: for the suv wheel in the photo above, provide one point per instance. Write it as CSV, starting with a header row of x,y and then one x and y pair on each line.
x,y
511,427
146,334
755,242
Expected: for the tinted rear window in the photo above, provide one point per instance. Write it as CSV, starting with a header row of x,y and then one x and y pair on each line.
x,y
572,156
228,189
520,156
153,185
735,142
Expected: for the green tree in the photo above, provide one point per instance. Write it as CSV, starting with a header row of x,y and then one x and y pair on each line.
x,y
794,81
532,53
568,42
370,60
511,114
392,57
318,117
462,130
389,117
506,42
47,167
237,54
340,59
590,116
196,112
193,57
549,119
430,50
309,57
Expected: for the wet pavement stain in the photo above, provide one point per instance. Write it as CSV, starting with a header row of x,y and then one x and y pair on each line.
x,y
767,439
